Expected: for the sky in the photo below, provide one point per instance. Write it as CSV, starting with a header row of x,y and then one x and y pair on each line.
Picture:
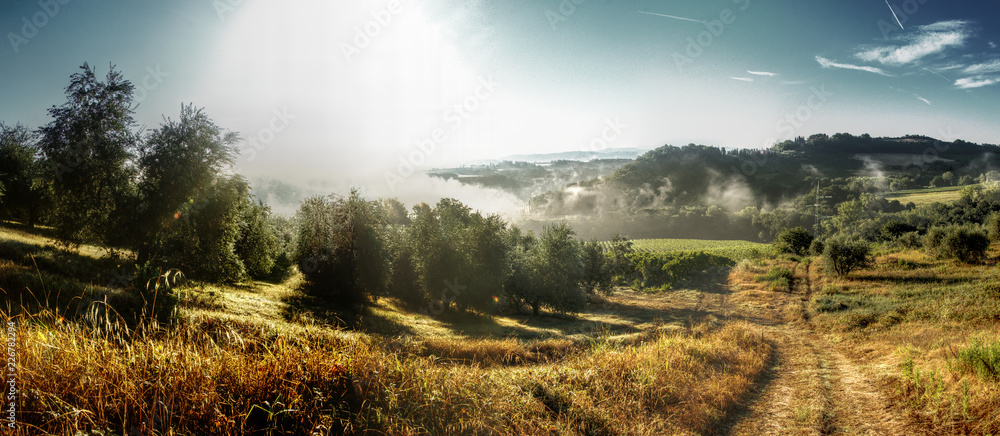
x,y
367,93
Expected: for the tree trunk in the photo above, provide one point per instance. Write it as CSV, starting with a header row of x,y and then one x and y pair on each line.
x,y
534,308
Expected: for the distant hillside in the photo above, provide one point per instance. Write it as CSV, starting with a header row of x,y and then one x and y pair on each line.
x,y
526,179
611,153
671,176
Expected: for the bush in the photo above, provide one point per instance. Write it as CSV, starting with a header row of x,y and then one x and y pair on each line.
x,y
664,270
993,226
965,243
816,248
795,240
909,240
842,255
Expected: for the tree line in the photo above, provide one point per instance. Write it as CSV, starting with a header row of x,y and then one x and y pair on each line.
x,y
168,196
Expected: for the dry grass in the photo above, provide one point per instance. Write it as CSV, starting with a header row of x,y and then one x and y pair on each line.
x,y
916,320
248,360
207,376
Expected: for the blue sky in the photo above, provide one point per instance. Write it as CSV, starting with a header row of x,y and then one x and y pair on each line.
x,y
348,92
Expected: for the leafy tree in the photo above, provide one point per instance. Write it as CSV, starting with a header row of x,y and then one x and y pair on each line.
x,y
257,244
342,248
843,255
794,240
178,161
21,174
619,261
405,281
597,272
201,237
90,144
551,273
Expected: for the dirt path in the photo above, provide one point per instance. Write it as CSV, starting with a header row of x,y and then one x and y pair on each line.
x,y
813,389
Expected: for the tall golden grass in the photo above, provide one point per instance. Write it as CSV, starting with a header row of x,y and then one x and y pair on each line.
x,y
232,376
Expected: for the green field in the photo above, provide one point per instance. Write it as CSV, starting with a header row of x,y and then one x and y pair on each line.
x,y
926,196
735,250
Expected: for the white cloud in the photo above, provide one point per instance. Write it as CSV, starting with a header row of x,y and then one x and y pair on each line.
x,y
762,73
929,39
976,82
984,68
993,44
922,99
826,63
744,79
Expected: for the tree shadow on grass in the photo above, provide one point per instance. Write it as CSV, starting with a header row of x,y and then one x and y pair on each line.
x,y
349,316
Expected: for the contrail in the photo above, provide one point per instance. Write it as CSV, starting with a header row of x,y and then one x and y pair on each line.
x,y
671,16
894,14
936,74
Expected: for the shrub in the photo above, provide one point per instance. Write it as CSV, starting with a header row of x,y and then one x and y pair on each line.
x,y
664,270
892,230
965,243
842,255
795,240
779,278
993,226
816,248
910,240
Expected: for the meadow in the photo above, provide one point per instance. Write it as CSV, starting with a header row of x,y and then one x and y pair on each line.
x,y
925,196
263,358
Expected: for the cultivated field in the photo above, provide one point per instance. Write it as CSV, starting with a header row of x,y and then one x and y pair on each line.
x,y
926,196
734,250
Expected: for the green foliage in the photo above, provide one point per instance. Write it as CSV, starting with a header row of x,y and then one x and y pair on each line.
x,y
547,272
779,278
843,255
618,250
965,243
662,271
201,236
816,247
258,245
179,162
982,359
794,240
342,249
90,143
22,179
734,250
993,226
597,269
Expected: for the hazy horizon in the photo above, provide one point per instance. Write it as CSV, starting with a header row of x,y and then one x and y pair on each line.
x,y
370,93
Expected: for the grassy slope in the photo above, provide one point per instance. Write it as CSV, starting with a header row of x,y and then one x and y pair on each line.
x,y
926,196
264,359
917,321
